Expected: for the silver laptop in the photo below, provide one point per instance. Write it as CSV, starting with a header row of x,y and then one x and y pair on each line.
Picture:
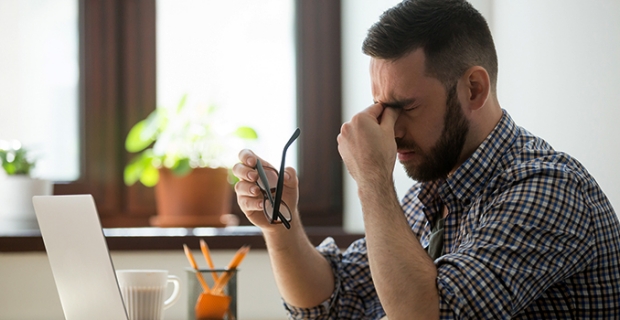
x,y
79,257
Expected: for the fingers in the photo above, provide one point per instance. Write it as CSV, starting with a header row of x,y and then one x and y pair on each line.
x,y
251,198
245,173
245,170
247,189
375,110
248,158
369,116
290,178
250,204
389,117
249,194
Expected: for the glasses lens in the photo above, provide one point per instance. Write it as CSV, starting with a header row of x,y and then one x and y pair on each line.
x,y
284,210
272,179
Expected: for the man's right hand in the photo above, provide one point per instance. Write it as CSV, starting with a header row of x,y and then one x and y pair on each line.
x,y
304,277
249,196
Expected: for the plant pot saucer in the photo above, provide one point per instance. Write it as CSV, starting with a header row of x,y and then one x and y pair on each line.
x,y
194,221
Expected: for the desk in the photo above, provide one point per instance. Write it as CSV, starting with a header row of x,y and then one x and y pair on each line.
x,y
24,266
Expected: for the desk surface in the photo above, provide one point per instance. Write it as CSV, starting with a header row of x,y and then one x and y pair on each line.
x,y
130,239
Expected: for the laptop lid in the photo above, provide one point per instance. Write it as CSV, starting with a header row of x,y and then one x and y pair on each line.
x,y
79,257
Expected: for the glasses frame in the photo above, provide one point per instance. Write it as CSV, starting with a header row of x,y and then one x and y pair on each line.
x,y
271,193
275,203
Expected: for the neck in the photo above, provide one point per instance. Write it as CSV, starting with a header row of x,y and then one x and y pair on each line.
x,y
482,122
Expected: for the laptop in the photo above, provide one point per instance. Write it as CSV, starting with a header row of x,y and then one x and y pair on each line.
x,y
79,257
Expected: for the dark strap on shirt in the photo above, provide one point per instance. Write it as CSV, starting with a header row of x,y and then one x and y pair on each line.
x,y
435,243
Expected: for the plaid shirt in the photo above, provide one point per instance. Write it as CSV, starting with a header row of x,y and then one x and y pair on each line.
x,y
529,235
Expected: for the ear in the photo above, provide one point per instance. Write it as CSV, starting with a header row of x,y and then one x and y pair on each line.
x,y
475,88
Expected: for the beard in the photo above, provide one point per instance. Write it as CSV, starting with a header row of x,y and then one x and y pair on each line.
x,y
444,155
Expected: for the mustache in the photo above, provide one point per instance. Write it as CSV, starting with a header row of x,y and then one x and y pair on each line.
x,y
405,144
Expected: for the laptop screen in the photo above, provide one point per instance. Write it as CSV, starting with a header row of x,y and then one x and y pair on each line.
x,y
79,257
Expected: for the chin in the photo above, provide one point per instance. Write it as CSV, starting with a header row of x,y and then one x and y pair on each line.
x,y
421,174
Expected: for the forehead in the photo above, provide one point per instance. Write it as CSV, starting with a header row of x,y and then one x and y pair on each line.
x,y
401,78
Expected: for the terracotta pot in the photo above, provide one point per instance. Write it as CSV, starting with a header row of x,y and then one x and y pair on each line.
x,y
201,198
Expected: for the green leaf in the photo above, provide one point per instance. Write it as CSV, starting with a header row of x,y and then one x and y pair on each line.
x,y
132,173
182,167
135,141
246,133
181,103
9,167
150,176
153,125
16,161
141,169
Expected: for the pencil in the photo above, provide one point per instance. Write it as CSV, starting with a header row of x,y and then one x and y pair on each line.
x,y
234,263
205,253
192,262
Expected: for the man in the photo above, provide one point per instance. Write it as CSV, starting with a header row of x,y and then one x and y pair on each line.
x,y
499,225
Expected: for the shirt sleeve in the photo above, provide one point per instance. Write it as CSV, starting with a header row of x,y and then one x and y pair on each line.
x,y
354,296
529,236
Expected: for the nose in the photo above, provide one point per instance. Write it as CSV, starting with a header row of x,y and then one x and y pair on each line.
x,y
399,128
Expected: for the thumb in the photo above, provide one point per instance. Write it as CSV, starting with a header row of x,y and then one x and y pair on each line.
x,y
290,177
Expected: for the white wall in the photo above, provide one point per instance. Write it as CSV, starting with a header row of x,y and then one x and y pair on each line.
x,y
559,77
28,292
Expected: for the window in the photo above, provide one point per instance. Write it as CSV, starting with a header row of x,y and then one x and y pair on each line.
x,y
118,88
39,81
238,56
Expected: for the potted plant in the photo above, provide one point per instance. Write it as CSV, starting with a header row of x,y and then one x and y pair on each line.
x,y
17,187
186,153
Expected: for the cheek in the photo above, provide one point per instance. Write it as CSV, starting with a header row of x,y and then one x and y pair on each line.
x,y
422,132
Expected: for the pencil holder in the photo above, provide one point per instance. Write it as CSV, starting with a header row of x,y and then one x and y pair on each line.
x,y
194,291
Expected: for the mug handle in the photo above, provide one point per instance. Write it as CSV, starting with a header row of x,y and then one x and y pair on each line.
x,y
175,293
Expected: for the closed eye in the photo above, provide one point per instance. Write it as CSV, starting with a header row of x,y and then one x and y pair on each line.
x,y
404,105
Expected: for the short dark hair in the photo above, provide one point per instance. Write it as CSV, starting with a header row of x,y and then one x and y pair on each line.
x,y
453,35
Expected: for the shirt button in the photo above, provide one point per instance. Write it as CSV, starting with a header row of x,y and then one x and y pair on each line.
x,y
466,201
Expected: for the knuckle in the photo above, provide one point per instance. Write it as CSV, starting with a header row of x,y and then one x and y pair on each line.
x,y
246,203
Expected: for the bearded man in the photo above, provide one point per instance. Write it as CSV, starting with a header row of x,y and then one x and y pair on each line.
x,y
497,225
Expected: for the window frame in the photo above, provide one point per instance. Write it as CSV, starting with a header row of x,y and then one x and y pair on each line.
x,y
118,88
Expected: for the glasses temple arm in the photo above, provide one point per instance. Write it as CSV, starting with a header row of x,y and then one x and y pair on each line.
x,y
263,177
280,185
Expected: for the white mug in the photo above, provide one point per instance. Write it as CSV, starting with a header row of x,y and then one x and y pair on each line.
x,y
143,292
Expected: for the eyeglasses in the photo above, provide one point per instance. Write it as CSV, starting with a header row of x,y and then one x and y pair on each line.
x,y
276,210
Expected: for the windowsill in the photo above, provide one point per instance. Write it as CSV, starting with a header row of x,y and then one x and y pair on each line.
x,y
137,239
